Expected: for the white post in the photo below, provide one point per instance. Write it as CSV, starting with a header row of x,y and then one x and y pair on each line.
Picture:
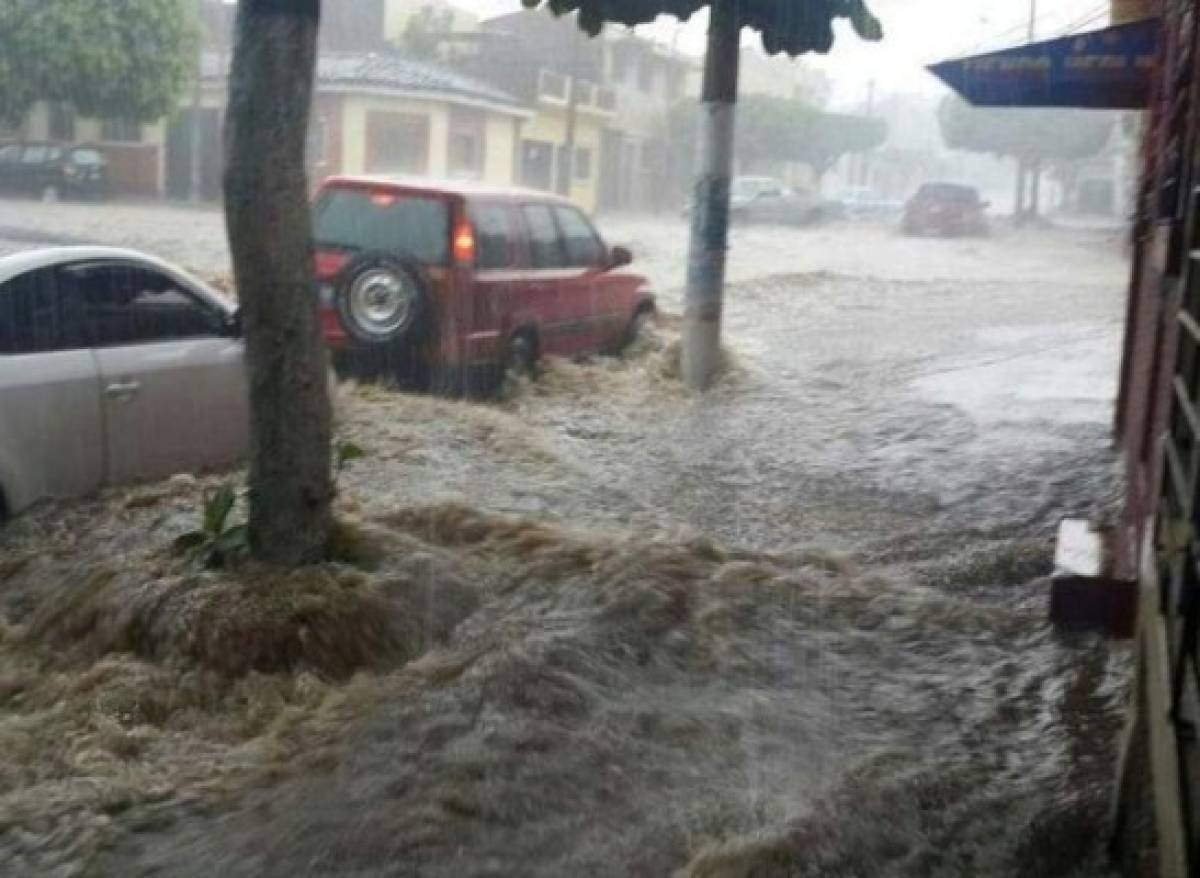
x,y
710,203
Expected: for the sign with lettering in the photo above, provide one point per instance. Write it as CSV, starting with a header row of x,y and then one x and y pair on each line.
x,y
1108,69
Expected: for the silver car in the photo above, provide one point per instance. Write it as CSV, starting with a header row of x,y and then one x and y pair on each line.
x,y
767,200
114,367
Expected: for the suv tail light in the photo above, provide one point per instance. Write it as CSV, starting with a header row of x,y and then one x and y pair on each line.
x,y
464,245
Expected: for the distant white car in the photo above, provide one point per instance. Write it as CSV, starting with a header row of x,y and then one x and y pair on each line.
x,y
862,201
115,367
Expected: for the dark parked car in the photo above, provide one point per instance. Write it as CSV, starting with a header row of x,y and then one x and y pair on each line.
x,y
51,171
945,209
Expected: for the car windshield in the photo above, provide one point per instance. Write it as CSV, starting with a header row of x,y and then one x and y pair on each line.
x,y
366,219
89,157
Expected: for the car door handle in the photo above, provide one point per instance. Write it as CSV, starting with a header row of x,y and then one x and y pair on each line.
x,y
122,390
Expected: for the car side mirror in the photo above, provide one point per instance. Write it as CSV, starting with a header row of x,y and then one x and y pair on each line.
x,y
619,256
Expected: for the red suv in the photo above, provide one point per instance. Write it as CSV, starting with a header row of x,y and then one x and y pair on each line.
x,y
454,284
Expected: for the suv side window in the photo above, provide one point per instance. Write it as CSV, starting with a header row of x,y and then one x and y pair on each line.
x,y
494,235
545,248
122,304
30,318
583,245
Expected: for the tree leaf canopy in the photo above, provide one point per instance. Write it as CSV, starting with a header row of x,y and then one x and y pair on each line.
x,y
789,26
777,129
127,59
1024,133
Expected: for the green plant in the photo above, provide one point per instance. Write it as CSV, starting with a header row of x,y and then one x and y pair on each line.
x,y
344,452
217,543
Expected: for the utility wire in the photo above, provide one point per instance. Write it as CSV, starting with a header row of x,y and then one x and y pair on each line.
x,y
1017,33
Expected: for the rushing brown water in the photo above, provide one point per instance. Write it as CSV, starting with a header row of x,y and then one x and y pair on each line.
x,y
796,627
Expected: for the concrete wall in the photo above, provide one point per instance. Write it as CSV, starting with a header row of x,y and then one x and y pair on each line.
x,y
500,149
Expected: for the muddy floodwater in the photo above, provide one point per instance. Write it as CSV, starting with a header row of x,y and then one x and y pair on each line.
x,y
794,627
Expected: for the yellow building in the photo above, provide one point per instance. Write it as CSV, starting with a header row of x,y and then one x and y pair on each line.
x,y
543,138
556,71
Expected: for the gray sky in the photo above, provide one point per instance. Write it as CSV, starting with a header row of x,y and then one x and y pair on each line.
x,y
916,32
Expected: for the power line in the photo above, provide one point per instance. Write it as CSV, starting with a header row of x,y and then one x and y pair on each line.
x,y
1100,12
1019,31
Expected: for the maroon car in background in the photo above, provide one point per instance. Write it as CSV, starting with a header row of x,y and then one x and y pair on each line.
x,y
451,285
945,209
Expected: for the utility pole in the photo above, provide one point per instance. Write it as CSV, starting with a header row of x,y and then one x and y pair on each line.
x,y
566,161
1026,169
1035,172
709,238
865,156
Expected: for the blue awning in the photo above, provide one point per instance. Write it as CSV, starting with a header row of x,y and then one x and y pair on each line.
x,y
1109,69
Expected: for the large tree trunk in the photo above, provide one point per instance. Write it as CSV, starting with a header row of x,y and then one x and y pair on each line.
x,y
270,235
710,205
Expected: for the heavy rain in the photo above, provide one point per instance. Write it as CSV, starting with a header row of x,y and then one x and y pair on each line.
x,y
587,598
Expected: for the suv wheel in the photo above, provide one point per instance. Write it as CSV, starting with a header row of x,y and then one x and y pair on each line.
x,y
382,301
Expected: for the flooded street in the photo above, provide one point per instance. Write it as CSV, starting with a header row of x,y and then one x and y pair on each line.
x,y
795,627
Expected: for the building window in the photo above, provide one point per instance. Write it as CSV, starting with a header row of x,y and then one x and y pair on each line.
x,y
397,143
121,131
467,143
552,85
62,121
583,163
537,164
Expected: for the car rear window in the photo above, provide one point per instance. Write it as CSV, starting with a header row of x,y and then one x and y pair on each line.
x,y
364,219
948,192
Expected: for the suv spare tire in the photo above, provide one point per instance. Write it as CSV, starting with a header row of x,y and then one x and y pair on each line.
x,y
383,298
